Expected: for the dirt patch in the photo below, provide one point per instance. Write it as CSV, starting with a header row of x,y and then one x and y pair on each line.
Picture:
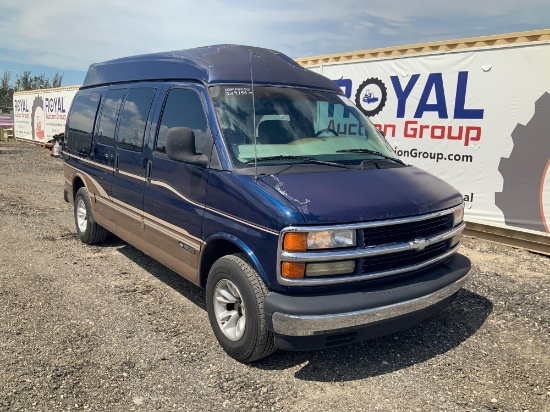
x,y
108,328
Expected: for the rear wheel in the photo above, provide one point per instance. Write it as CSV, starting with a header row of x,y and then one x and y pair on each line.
x,y
235,296
87,228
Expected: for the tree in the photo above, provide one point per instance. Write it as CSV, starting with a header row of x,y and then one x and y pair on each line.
x,y
57,80
23,83
5,82
27,82
6,91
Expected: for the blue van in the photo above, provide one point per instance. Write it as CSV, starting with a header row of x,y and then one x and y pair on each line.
x,y
260,181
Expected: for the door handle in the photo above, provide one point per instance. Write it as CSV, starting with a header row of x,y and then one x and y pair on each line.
x,y
148,173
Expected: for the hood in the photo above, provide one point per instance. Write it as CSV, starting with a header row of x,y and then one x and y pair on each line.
x,y
364,195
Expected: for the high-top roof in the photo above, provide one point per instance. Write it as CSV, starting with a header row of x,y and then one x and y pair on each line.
x,y
226,63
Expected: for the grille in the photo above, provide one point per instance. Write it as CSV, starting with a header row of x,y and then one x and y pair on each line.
x,y
384,249
405,232
400,260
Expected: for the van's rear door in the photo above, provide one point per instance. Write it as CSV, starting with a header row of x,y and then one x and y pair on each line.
x,y
130,161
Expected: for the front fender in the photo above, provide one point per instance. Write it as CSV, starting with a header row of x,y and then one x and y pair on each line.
x,y
238,243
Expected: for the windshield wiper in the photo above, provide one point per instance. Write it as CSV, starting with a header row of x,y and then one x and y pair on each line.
x,y
373,152
303,159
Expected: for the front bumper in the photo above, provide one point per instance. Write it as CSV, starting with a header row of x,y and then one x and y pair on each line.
x,y
325,320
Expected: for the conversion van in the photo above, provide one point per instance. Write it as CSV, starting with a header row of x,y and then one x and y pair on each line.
x,y
260,181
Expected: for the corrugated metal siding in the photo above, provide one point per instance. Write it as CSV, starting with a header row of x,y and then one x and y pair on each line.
x,y
57,89
439,46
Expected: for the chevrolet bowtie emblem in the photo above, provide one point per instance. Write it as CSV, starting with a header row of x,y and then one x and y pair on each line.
x,y
419,244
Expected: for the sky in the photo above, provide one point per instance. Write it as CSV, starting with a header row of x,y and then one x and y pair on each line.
x,y
66,36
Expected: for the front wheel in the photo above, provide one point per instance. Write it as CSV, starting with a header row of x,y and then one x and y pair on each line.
x,y
235,296
87,228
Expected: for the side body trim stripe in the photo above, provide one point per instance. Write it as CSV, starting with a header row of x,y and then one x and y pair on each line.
x,y
173,190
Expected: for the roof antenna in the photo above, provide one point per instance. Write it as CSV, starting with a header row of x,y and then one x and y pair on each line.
x,y
254,116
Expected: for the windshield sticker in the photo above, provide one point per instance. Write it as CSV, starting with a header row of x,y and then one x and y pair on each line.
x,y
237,91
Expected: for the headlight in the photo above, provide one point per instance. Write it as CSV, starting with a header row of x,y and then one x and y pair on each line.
x,y
326,239
458,216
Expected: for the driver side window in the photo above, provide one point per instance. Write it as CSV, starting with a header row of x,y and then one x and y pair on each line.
x,y
183,108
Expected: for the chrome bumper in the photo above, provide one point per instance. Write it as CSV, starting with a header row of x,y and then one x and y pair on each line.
x,y
293,325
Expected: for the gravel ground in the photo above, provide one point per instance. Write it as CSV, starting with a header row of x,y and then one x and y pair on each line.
x,y
106,328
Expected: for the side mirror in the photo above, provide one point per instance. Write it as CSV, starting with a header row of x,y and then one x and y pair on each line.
x,y
180,146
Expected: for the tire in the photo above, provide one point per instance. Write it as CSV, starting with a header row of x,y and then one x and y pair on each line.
x,y
86,227
235,291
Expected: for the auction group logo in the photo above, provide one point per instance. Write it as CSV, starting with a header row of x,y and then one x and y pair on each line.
x,y
371,96
524,192
37,119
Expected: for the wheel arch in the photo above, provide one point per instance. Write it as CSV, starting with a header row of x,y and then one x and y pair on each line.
x,y
78,182
223,244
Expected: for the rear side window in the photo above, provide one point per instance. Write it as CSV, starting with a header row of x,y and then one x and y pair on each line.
x,y
109,116
81,123
134,118
183,108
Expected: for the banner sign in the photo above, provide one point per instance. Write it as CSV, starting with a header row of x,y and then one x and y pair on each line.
x,y
41,115
478,119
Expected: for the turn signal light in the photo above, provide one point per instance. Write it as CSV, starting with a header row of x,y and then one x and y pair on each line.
x,y
293,270
295,242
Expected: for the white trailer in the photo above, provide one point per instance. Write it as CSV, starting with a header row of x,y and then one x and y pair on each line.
x,y
41,114
475,112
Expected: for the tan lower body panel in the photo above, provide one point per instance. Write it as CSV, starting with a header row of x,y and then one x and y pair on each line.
x,y
160,240
157,241
103,221
164,251
102,211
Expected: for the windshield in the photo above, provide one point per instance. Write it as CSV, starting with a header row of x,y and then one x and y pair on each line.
x,y
295,124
